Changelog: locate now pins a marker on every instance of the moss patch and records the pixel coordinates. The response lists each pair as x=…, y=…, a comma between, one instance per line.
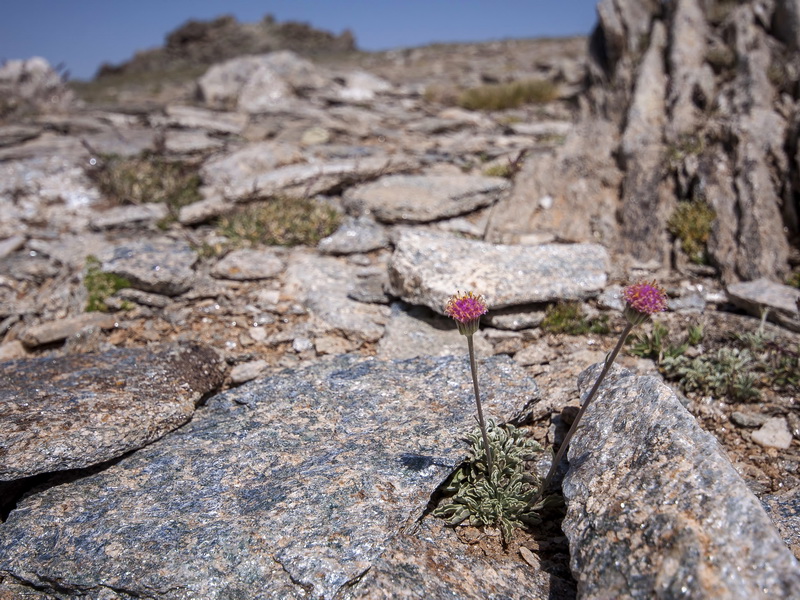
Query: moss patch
x=691, y=223
x=281, y=221
x=100, y=285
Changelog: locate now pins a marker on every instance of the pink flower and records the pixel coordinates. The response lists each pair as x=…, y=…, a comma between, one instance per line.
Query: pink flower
x=466, y=309
x=642, y=300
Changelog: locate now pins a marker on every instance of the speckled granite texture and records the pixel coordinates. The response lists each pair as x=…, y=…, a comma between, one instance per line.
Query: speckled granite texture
x=655, y=508
x=85, y=409
x=288, y=487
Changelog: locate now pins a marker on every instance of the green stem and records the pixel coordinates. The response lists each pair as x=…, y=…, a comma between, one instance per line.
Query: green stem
x=474, y=368
x=557, y=460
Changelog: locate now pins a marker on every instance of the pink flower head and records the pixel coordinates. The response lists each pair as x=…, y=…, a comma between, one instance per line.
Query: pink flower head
x=466, y=309
x=642, y=300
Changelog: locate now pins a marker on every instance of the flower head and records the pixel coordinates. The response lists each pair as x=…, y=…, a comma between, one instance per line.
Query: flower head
x=642, y=300
x=466, y=309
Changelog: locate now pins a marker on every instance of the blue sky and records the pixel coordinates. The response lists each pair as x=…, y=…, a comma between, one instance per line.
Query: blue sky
x=82, y=34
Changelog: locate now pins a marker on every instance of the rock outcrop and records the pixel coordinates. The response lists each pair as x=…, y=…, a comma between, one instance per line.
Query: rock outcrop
x=689, y=102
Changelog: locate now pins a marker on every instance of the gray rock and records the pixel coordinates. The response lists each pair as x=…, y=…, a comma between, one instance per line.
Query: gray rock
x=360, y=86
x=244, y=165
x=191, y=142
x=129, y=216
x=433, y=563
x=248, y=264
x=428, y=268
x=289, y=487
x=415, y=331
x=423, y=198
x=746, y=419
x=255, y=84
x=80, y=410
x=321, y=283
x=774, y=433
x=784, y=509
x=11, y=135
x=11, y=245
x=56, y=331
x=158, y=265
x=371, y=288
x=655, y=508
x=543, y=128
x=204, y=210
x=516, y=317
x=554, y=185
x=247, y=371
x=128, y=142
x=315, y=178
x=355, y=235
x=194, y=117
x=762, y=294
x=143, y=298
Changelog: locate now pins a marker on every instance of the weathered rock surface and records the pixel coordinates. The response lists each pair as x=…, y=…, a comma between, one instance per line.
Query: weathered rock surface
x=55, y=331
x=433, y=563
x=355, y=235
x=423, y=198
x=426, y=268
x=254, y=84
x=655, y=508
x=290, y=486
x=80, y=410
x=161, y=266
x=321, y=283
x=249, y=264
x=780, y=301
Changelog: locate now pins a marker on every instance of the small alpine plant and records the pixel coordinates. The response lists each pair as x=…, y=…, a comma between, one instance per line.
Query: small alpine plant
x=494, y=488
x=642, y=300
x=467, y=310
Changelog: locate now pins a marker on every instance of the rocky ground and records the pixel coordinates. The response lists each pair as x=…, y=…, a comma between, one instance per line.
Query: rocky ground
x=399, y=192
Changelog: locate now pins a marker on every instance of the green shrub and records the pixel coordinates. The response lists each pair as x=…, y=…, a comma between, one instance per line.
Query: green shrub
x=691, y=223
x=508, y=95
x=100, y=285
x=281, y=221
x=147, y=178
x=568, y=317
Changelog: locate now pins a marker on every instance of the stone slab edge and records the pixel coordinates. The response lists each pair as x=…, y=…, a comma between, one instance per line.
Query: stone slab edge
x=656, y=509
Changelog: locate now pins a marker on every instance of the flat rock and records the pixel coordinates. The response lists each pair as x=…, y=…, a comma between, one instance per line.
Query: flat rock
x=245, y=164
x=249, y=264
x=129, y=216
x=516, y=317
x=763, y=294
x=75, y=411
x=56, y=331
x=126, y=142
x=321, y=283
x=355, y=235
x=194, y=117
x=774, y=433
x=423, y=198
x=415, y=331
x=159, y=265
x=655, y=509
x=11, y=135
x=11, y=244
x=247, y=371
x=288, y=487
x=428, y=268
x=309, y=179
x=191, y=142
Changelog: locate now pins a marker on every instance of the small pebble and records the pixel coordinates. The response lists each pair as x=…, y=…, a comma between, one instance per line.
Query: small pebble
x=774, y=433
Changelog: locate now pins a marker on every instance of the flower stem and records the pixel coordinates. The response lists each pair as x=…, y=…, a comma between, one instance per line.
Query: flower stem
x=474, y=368
x=606, y=367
